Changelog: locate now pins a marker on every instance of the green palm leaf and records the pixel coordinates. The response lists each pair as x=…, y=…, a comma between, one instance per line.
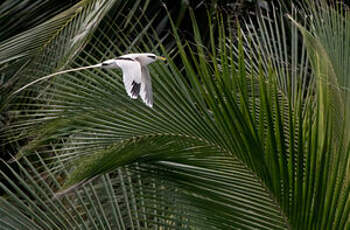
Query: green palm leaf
x=235, y=139
x=52, y=43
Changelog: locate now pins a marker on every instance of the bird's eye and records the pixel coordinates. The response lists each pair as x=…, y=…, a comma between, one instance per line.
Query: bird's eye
x=151, y=56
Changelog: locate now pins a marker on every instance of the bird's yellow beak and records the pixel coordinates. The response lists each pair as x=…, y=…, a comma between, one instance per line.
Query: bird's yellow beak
x=161, y=58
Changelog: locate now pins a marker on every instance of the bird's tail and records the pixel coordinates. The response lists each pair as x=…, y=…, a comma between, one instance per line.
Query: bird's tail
x=55, y=74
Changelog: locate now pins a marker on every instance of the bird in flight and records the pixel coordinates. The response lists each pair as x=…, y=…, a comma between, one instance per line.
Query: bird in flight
x=136, y=77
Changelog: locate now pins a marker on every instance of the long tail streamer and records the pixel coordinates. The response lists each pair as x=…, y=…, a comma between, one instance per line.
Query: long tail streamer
x=55, y=74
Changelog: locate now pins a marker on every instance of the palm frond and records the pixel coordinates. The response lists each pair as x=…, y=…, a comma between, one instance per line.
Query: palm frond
x=17, y=18
x=230, y=129
x=48, y=46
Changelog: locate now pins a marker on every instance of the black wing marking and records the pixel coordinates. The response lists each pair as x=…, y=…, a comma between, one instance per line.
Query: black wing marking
x=125, y=59
x=135, y=90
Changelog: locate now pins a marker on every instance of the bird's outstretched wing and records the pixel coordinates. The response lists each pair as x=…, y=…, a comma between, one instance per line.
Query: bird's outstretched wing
x=146, y=87
x=131, y=76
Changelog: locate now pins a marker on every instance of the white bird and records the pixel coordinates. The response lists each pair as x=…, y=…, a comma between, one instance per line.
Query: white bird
x=136, y=77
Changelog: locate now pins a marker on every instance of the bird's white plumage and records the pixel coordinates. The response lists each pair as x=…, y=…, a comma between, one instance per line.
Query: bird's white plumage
x=146, y=87
x=131, y=73
x=143, y=58
x=136, y=77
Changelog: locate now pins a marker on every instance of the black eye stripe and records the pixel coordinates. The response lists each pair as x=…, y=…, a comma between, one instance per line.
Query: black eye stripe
x=151, y=56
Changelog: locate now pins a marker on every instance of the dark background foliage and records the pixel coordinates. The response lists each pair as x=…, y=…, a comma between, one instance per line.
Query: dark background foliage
x=260, y=129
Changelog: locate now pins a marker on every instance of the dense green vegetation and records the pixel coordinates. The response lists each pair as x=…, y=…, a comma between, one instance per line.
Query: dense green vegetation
x=249, y=128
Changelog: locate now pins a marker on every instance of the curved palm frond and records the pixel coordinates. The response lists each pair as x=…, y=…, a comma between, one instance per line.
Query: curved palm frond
x=44, y=49
x=17, y=18
x=225, y=132
x=46, y=34
x=48, y=46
